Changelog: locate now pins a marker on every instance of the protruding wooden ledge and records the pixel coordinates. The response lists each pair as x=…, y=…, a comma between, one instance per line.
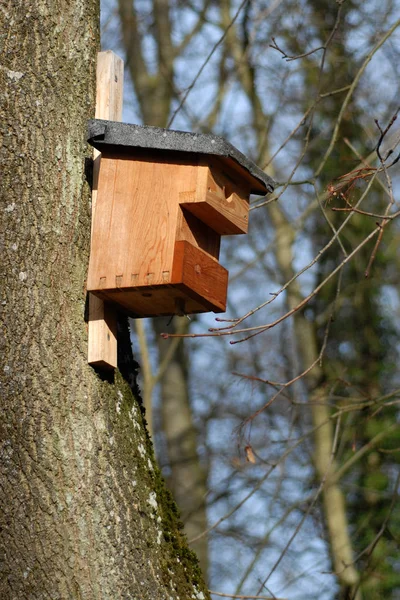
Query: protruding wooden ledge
x=197, y=283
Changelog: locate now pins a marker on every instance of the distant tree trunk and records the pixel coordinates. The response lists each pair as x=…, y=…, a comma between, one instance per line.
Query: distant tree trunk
x=334, y=504
x=83, y=510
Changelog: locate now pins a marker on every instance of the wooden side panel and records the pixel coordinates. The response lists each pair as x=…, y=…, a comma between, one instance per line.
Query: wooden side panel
x=194, y=231
x=101, y=220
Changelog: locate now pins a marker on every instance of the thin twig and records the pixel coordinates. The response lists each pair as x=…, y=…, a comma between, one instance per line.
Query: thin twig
x=287, y=57
x=366, y=213
x=350, y=93
x=286, y=385
x=262, y=328
x=311, y=506
x=282, y=458
x=375, y=248
x=335, y=477
x=205, y=63
x=372, y=545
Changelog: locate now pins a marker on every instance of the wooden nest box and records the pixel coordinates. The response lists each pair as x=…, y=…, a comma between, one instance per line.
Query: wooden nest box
x=164, y=198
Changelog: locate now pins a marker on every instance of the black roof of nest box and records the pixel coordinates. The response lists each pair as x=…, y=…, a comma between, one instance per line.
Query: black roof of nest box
x=123, y=136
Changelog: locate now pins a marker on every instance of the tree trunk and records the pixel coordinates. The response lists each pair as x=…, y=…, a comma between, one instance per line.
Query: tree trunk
x=83, y=510
x=187, y=479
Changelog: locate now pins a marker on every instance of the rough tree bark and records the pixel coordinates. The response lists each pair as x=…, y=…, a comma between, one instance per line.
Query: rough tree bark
x=188, y=479
x=83, y=510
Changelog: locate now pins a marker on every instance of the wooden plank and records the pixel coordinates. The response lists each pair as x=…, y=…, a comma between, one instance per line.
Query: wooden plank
x=156, y=301
x=102, y=350
x=102, y=334
x=203, y=277
x=197, y=283
x=220, y=200
x=227, y=216
x=109, y=102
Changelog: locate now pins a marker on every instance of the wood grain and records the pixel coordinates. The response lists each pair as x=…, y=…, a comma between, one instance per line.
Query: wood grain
x=102, y=335
x=193, y=230
x=197, y=283
x=157, y=229
x=221, y=199
x=136, y=221
x=202, y=276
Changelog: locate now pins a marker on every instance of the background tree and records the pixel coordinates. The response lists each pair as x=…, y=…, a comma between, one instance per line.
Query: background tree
x=362, y=337
x=83, y=510
x=305, y=109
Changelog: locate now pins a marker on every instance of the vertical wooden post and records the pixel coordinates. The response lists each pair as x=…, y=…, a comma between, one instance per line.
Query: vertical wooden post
x=102, y=334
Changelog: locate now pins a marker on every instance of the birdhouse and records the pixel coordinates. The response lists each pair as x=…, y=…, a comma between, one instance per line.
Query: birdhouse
x=164, y=199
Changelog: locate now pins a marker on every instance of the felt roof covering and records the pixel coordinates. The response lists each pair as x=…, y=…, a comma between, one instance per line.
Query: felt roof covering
x=123, y=138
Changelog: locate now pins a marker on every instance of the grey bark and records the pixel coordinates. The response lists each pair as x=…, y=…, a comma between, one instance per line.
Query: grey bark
x=83, y=511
